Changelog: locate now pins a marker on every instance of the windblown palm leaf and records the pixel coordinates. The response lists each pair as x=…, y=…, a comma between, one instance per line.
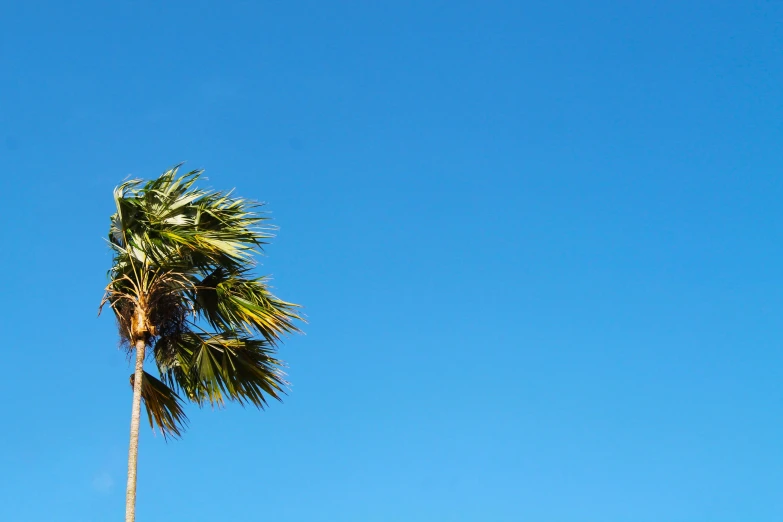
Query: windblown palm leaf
x=181, y=285
x=164, y=407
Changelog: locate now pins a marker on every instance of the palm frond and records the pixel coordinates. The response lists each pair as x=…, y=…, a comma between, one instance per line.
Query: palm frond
x=163, y=405
x=218, y=367
x=234, y=301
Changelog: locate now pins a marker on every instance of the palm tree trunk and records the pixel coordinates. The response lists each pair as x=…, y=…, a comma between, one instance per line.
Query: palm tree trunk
x=133, y=450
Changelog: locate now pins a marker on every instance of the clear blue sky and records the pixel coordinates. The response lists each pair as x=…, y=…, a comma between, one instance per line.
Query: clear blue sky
x=538, y=243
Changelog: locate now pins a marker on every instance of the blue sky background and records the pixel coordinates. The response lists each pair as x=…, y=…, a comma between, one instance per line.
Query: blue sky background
x=538, y=243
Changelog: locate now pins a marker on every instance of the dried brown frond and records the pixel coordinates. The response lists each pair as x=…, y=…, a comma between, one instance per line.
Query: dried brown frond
x=168, y=320
x=123, y=314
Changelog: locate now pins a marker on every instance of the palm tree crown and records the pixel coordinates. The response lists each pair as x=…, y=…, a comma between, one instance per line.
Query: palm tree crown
x=181, y=286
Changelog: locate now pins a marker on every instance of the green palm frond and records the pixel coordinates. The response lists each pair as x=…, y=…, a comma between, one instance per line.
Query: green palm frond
x=163, y=405
x=234, y=301
x=184, y=256
x=215, y=368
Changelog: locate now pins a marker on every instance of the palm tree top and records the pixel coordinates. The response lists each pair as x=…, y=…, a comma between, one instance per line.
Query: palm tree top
x=181, y=282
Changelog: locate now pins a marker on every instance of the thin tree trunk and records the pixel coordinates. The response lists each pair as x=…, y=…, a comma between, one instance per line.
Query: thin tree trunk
x=133, y=450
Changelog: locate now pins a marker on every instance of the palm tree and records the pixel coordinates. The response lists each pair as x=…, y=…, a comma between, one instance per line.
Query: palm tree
x=181, y=289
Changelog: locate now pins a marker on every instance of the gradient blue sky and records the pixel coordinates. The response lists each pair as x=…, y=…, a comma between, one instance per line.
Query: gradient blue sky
x=539, y=246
